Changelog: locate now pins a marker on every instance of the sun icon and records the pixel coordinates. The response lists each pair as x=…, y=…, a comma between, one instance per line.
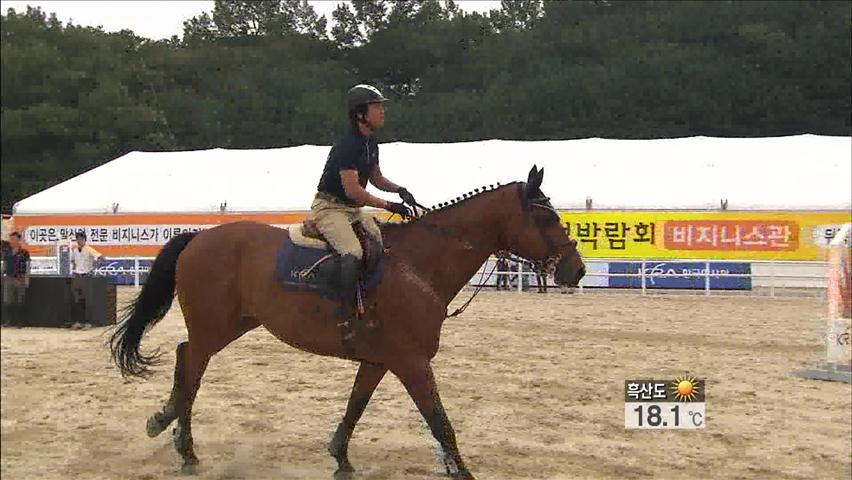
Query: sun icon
x=684, y=388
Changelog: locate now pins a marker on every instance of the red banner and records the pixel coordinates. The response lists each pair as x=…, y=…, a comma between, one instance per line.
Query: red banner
x=770, y=236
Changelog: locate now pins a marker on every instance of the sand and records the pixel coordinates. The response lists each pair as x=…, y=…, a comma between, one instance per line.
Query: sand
x=533, y=384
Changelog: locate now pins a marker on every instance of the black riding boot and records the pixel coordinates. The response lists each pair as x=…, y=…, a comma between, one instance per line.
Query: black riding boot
x=350, y=267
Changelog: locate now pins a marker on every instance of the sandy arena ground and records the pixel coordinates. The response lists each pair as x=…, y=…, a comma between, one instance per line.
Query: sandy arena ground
x=533, y=384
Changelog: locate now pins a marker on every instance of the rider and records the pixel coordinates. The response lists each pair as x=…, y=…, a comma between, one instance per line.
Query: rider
x=353, y=160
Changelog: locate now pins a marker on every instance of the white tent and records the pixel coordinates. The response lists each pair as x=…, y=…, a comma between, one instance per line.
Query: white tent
x=784, y=173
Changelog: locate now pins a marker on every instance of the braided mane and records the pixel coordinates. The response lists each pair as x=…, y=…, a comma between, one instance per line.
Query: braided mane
x=442, y=206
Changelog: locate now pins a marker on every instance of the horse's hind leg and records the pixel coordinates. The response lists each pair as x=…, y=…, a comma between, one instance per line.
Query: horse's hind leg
x=189, y=380
x=368, y=377
x=158, y=422
x=194, y=357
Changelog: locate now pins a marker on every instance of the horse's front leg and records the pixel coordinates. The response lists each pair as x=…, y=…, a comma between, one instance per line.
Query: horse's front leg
x=420, y=384
x=368, y=378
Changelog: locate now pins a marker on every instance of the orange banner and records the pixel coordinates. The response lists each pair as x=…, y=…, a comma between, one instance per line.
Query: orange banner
x=731, y=235
x=129, y=235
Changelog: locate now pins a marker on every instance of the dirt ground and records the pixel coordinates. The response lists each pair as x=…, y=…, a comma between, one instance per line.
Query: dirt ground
x=533, y=383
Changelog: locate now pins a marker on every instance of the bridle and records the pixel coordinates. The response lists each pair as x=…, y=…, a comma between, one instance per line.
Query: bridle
x=550, y=261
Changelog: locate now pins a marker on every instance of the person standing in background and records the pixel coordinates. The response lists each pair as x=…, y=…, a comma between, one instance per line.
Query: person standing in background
x=16, y=279
x=502, y=270
x=6, y=249
x=541, y=276
x=83, y=261
x=517, y=266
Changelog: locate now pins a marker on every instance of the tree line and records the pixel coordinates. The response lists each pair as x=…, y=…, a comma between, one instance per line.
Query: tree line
x=273, y=73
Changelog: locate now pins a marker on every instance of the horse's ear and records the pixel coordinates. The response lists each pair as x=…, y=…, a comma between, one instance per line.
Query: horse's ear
x=530, y=178
x=532, y=174
x=533, y=182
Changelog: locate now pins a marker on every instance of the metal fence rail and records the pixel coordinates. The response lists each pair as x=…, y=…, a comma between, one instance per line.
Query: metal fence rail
x=774, y=275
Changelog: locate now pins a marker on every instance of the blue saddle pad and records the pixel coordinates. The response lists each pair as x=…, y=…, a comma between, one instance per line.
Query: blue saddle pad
x=300, y=268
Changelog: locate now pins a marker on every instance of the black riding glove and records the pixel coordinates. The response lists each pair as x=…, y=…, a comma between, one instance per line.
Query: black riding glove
x=399, y=209
x=406, y=196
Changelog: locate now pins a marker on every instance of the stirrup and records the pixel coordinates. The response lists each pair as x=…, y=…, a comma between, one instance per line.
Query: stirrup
x=346, y=332
x=347, y=335
x=359, y=299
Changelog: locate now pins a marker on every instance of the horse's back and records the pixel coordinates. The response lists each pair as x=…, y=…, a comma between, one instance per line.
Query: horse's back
x=242, y=227
x=226, y=261
x=217, y=280
x=239, y=234
x=224, y=248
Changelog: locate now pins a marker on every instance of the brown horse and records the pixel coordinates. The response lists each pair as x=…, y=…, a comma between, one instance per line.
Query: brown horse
x=429, y=260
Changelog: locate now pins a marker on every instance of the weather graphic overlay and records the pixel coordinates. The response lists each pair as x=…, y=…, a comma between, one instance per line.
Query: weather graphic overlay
x=685, y=388
x=665, y=404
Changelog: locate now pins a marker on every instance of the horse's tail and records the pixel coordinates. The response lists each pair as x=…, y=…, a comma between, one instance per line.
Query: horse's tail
x=148, y=308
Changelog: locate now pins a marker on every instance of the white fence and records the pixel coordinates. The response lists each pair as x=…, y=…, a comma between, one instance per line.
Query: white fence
x=771, y=278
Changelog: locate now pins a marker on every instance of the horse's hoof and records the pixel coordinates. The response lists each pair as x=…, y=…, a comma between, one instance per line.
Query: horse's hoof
x=463, y=476
x=153, y=427
x=189, y=468
x=343, y=474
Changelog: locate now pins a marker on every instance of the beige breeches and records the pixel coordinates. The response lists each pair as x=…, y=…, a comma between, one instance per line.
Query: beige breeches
x=335, y=221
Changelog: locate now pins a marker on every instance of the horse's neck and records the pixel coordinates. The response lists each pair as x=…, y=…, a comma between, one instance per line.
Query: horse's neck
x=447, y=248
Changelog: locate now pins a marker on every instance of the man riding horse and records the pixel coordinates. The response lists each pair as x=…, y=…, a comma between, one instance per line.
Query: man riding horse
x=354, y=160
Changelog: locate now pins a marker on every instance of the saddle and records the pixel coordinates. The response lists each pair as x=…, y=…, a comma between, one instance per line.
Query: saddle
x=307, y=234
x=311, y=230
x=307, y=262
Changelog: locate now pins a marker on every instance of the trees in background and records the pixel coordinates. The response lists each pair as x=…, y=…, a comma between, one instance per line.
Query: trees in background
x=255, y=74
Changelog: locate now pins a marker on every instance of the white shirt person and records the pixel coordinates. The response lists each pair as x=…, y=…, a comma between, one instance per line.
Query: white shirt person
x=83, y=257
x=83, y=261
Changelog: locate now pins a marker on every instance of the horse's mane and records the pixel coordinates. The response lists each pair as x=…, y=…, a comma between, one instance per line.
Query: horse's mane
x=449, y=205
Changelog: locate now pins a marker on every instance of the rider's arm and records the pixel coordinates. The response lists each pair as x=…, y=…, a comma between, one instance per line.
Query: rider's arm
x=382, y=183
x=357, y=193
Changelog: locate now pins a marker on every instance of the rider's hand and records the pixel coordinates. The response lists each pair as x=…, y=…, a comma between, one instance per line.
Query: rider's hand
x=406, y=196
x=399, y=209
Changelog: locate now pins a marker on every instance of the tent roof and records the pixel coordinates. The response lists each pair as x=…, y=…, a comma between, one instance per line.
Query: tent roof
x=790, y=173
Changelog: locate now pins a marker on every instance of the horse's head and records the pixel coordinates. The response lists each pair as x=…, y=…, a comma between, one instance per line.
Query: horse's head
x=537, y=234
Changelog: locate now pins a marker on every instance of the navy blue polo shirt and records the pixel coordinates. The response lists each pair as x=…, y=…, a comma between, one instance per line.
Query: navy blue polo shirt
x=353, y=151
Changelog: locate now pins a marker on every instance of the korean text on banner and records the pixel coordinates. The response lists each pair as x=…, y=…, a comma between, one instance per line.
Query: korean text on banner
x=723, y=235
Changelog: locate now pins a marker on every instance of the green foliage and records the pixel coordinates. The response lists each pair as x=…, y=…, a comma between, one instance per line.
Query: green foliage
x=518, y=14
x=240, y=18
x=346, y=31
x=257, y=74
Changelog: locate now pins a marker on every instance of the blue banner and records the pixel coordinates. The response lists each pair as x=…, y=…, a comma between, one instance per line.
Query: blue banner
x=121, y=272
x=682, y=275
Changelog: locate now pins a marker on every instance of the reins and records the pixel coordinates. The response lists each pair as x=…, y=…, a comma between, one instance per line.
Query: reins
x=482, y=282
